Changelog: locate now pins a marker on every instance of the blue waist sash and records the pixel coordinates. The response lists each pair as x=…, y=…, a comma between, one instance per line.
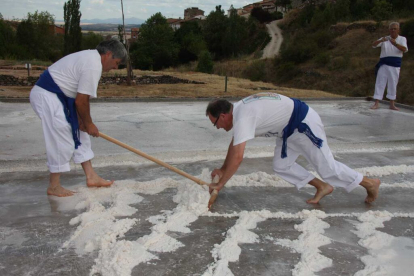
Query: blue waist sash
x=69, y=108
x=300, y=110
x=390, y=61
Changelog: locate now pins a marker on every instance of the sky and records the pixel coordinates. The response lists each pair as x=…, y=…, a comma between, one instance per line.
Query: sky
x=102, y=9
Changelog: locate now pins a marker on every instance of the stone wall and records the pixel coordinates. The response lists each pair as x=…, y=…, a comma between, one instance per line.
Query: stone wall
x=7, y=80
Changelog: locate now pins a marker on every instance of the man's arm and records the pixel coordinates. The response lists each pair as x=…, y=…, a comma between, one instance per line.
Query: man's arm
x=398, y=46
x=376, y=42
x=231, y=164
x=83, y=109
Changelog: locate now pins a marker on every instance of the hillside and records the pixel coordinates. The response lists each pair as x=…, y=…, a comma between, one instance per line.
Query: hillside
x=338, y=59
x=347, y=65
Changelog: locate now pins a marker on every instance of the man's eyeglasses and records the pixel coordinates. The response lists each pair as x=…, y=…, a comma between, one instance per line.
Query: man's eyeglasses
x=218, y=117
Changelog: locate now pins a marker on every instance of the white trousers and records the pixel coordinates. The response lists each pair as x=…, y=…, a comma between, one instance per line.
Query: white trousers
x=60, y=147
x=331, y=171
x=387, y=75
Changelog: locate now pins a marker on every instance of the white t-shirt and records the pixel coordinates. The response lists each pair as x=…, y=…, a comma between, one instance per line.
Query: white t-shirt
x=78, y=72
x=264, y=114
x=389, y=50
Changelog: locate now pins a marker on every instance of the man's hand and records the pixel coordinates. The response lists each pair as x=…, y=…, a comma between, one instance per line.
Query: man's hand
x=215, y=186
x=92, y=130
x=217, y=172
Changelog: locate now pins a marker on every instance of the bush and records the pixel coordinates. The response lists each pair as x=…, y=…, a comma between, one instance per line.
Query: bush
x=382, y=10
x=339, y=63
x=285, y=71
x=322, y=59
x=205, y=62
x=256, y=71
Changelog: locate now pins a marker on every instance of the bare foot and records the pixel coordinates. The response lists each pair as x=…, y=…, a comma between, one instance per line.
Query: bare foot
x=393, y=107
x=98, y=182
x=320, y=193
x=59, y=191
x=372, y=189
x=375, y=106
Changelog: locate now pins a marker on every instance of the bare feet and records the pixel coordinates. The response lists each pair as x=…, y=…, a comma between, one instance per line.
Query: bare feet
x=322, y=189
x=320, y=193
x=375, y=106
x=393, y=107
x=59, y=191
x=98, y=182
x=372, y=187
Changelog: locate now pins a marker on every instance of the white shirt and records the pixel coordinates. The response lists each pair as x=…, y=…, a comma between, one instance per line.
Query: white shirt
x=389, y=50
x=78, y=72
x=264, y=114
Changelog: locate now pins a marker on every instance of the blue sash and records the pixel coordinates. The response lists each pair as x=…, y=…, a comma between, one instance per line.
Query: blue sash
x=69, y=108
x=390, y=61
x=300, y=110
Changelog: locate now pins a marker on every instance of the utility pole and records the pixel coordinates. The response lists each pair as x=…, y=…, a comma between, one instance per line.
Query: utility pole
x=129, y=68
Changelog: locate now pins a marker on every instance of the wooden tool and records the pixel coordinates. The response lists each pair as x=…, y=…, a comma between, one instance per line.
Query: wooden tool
x=213, y=195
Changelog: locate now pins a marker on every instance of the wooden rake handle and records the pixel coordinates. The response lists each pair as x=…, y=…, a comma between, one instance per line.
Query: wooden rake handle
x=159, y=162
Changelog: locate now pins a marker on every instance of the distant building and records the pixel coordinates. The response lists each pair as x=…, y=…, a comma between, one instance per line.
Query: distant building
x=58, y=30
x=192, y=12
x=174, y=23
x=134, y=33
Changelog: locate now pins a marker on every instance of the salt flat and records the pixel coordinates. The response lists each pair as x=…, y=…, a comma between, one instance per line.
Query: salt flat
x=154, y=222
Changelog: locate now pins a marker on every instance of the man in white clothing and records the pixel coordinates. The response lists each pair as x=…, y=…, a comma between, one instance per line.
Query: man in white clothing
x=388, y=68
x=298, y=130
x=61, y=100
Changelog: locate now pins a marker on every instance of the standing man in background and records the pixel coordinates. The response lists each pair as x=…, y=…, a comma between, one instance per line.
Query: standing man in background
x=61, y=100
x=388, y=68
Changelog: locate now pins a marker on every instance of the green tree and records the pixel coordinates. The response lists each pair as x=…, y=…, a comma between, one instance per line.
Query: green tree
x=190, y=40
x=7, y=40
x=121, y=33
x=214, y=31
x=283, y=3
x=90, y=40
x=36, y=34
x=342, y=9
x=205, y=63
x=235, y=35
x=73, y=31
x=382, y=10
x=155, y=48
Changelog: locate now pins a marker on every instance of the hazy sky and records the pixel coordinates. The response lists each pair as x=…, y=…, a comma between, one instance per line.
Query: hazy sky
x=102, y=9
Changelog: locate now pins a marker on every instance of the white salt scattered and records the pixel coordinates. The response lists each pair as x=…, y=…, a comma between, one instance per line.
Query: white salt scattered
x=388, y=255
x=307, y=244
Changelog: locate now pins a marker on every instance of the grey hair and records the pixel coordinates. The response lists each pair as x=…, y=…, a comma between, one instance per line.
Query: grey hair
x=218, y=106
x=394, y=23
x=115, y=47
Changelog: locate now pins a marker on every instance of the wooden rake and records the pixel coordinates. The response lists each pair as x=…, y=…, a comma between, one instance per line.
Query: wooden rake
x=213, y=195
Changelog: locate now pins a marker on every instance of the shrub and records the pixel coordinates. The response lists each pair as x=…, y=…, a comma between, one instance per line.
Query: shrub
x=256, y=71
x=322, y=59
x=205, y=62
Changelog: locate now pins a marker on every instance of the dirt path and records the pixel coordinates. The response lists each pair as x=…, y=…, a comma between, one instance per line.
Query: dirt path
x=272, y=49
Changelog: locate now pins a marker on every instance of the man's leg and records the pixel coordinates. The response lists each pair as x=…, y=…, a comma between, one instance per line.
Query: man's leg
x=393, y=76
x=83, y=155
x=375, y=105
x=289, y=170
x=92, y=179
x=55, y=188
x=322, y=189
x=57, y=135
x=332, y=171
x=372, y=187
x=380, y=83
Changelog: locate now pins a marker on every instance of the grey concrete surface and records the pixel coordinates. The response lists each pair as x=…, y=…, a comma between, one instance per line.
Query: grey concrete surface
x=33, y=227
